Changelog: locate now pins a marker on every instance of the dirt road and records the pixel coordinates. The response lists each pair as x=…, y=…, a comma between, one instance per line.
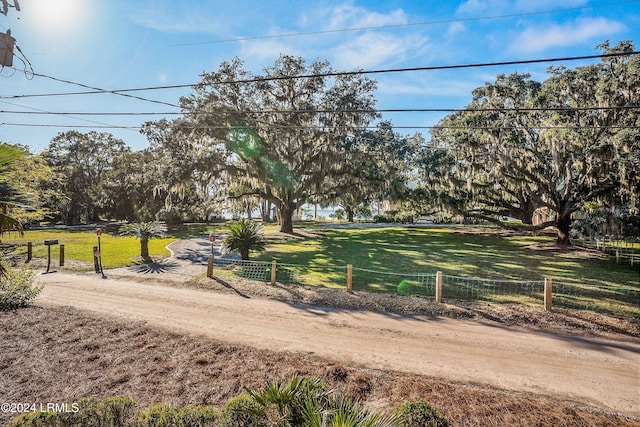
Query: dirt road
x=591, y=371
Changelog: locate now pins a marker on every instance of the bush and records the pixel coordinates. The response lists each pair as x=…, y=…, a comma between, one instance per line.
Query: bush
x=168, y=416
x=16, y=288
x=111, y=411
x=236, y=413
x=419, y=414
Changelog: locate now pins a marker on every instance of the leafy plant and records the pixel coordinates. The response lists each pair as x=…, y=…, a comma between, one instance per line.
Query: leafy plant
x=302, y=401
x=16, y=287
x=239, y=412
x=144, y=231
x=167, y=416
x=419, y=413
x=245, y=236
x=89, y=412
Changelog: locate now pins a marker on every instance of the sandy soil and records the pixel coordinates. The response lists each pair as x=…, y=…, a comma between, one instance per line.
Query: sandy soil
x=590, y=370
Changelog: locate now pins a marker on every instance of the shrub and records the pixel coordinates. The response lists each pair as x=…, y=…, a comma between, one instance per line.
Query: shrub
x=111, y=411
x=245, y=236
x=236, y=413
x=16, y=288
x=419, y=414
x=167, y=416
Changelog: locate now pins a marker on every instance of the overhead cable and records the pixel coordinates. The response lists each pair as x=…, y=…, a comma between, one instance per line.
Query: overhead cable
x=333, y=74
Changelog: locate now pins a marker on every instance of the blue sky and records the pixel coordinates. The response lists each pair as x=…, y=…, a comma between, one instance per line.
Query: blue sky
x=118, y=44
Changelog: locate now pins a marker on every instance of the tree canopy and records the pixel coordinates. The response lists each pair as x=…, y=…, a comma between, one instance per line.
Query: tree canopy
x=522, y=145
x=283, y=135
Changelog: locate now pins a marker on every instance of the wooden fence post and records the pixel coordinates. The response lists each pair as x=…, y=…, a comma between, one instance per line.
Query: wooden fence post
x=29, y=251
x=210, y=266
x=349, y=278
x=61, y=256
x=439, y=286
x=273, y=271
x=548, y=284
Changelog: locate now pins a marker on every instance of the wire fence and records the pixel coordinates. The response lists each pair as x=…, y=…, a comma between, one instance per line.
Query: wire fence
x=471, y=289
x=623, y=250
x=594, y=297
x=614, y=299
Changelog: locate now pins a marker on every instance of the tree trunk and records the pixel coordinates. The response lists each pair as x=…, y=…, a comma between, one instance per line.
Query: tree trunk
x=349, y=210
x=563, y=224
x=144, y=248
x=286, y=218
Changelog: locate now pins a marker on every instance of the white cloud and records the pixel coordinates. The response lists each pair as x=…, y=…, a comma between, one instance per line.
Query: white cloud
x=537, y=39
x=505, y=7
x=372, y=49
x=265, y=51
x=455, y=28
x=348, y=16
x=430, y=87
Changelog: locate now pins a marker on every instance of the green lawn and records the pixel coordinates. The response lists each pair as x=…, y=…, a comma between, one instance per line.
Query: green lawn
x=78, y=246
x=427, y=250
x=402, y=260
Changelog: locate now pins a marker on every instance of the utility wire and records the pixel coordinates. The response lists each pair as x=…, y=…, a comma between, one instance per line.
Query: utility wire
x=333, y=127
x=38, y=111
x=414, y=24
x=331, y=74
x=391, y=110
x=95, y=90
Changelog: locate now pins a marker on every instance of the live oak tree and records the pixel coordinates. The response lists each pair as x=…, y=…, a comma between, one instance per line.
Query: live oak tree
x=560, y=144
x=82, y=160
x=379, y=161
x=282, y=130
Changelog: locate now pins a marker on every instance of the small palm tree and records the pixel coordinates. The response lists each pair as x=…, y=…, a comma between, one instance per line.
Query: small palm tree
x=144, y=231
x=245, y=236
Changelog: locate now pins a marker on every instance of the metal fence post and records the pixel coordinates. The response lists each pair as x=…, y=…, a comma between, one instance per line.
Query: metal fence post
x=439, y=286
x=548, y=284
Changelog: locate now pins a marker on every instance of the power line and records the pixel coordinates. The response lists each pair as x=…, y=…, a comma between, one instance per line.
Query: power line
x=320, y=111
x=336, y=74
x=414, y=24
x=38, y=111
x=94, y=89
x=333, y=127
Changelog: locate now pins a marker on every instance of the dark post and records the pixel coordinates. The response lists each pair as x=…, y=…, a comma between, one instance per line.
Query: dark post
x=48, y=257
x=29, y=251
x=61, y=255
x=49, y=243
x=95, y=259
x=99, y=233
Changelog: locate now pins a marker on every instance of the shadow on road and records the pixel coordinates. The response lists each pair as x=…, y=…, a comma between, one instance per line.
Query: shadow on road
x=152, y=267
x=229, y=286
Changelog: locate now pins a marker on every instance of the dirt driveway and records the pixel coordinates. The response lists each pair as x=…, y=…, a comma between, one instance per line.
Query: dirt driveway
x=591, y=371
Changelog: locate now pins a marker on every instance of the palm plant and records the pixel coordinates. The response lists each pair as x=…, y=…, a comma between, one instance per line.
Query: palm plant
x=306, y=401
x=144, y=231
x=245, y=236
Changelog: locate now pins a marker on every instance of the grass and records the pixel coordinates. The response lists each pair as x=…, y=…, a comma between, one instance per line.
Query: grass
x=452, y=251
x=397, y=259
x=116, y=251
